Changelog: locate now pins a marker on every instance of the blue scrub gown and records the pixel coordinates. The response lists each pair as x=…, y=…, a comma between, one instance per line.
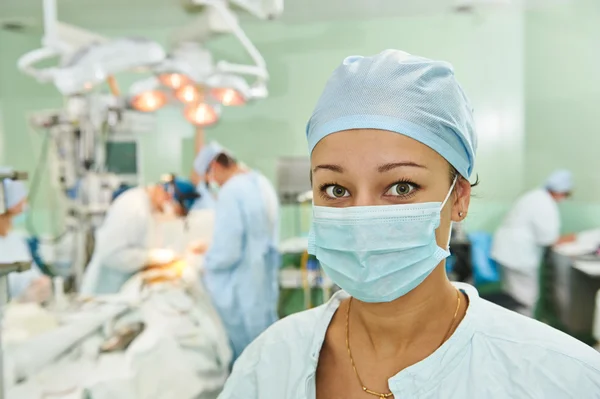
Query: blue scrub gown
x=241, y=266
x=206, y=200
x=13, y=248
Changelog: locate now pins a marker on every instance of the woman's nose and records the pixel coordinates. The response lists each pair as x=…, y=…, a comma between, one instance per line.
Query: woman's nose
x=366, y=198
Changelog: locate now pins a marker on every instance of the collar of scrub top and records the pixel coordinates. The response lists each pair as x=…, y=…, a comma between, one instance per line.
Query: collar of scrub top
x=420, y=377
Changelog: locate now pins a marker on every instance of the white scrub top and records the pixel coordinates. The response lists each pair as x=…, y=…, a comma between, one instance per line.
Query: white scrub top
x=494, y=353
x=532, y=224
x=122, y=243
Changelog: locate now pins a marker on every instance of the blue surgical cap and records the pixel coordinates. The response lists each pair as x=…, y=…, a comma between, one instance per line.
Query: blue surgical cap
x=561, y=181
x=14, y=190
x=120, y=190
x=185, y=192
x=402, y=93
x=206, y=155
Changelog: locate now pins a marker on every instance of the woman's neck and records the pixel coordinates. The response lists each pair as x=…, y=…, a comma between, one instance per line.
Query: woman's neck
x=423, y=315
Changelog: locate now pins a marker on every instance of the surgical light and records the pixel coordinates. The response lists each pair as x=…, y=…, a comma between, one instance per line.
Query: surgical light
x=173, y=80
x=228, y=96
x=188, y=94
x=149, y=101
x=161, y=256
x=229, y=90
x=201, y=114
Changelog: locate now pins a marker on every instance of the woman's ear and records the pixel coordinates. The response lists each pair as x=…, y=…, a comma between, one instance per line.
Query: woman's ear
x=462, y=199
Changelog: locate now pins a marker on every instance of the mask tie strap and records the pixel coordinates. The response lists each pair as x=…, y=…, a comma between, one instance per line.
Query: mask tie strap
x=449, y=193
x=442, y=207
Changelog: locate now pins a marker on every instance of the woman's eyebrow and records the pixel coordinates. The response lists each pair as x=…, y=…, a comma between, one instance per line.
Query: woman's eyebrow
x=331, y=167
x=389, y=166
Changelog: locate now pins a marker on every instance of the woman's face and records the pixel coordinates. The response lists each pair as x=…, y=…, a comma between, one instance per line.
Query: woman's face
x=365, y=167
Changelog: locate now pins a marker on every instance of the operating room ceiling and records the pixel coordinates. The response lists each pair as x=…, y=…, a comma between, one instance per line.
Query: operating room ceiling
x=140, y=15
x=149, y=14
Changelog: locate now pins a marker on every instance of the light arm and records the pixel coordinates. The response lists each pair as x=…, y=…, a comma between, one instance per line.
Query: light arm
x=198, y=145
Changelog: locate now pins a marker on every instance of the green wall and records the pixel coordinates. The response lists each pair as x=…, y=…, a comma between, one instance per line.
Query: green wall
x=504, y=59
x=562, y=102
x=301, y=57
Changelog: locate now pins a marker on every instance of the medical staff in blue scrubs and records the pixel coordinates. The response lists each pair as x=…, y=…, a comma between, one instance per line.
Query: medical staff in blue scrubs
x=241, y=266
x=206, y=199
x=32, y=284
x=392, y=146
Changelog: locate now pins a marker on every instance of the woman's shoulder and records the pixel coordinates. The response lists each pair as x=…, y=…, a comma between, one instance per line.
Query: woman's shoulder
x=522, y=336
x=299, y=328
x=279, y=354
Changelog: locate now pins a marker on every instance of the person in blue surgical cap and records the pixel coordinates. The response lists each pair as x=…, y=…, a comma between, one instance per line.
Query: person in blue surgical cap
x=123, y=242
x=242, y=264
x=32, y=284
x=531, y=226
x=392, y=146
x=183, y=192
x=207, y=194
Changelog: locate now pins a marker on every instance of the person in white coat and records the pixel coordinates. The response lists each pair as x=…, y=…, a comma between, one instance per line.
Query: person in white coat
x=123, y=242
x=532, y=225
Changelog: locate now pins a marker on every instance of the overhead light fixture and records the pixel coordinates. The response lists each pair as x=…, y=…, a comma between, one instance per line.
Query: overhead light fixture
x=92, y=64
x=202, y=114
x=149, y=101
x=188, y=94
x=228, y=96
x=146, y=96
x=229, y=90
x=173, y=80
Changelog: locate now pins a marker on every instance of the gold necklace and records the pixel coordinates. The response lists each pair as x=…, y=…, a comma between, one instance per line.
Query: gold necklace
x=389, y=394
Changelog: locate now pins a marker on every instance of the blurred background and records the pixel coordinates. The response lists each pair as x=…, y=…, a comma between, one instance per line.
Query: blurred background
x=109, y=116
x=529, y=70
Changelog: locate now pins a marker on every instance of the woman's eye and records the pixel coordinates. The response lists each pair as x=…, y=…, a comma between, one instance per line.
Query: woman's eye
x=336, y=192
x=401, y=189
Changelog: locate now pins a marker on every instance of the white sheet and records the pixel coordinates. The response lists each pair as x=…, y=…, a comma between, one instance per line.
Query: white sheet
x=178, y=234
x=183, y=353
x=586, y=242
x=590, y=268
